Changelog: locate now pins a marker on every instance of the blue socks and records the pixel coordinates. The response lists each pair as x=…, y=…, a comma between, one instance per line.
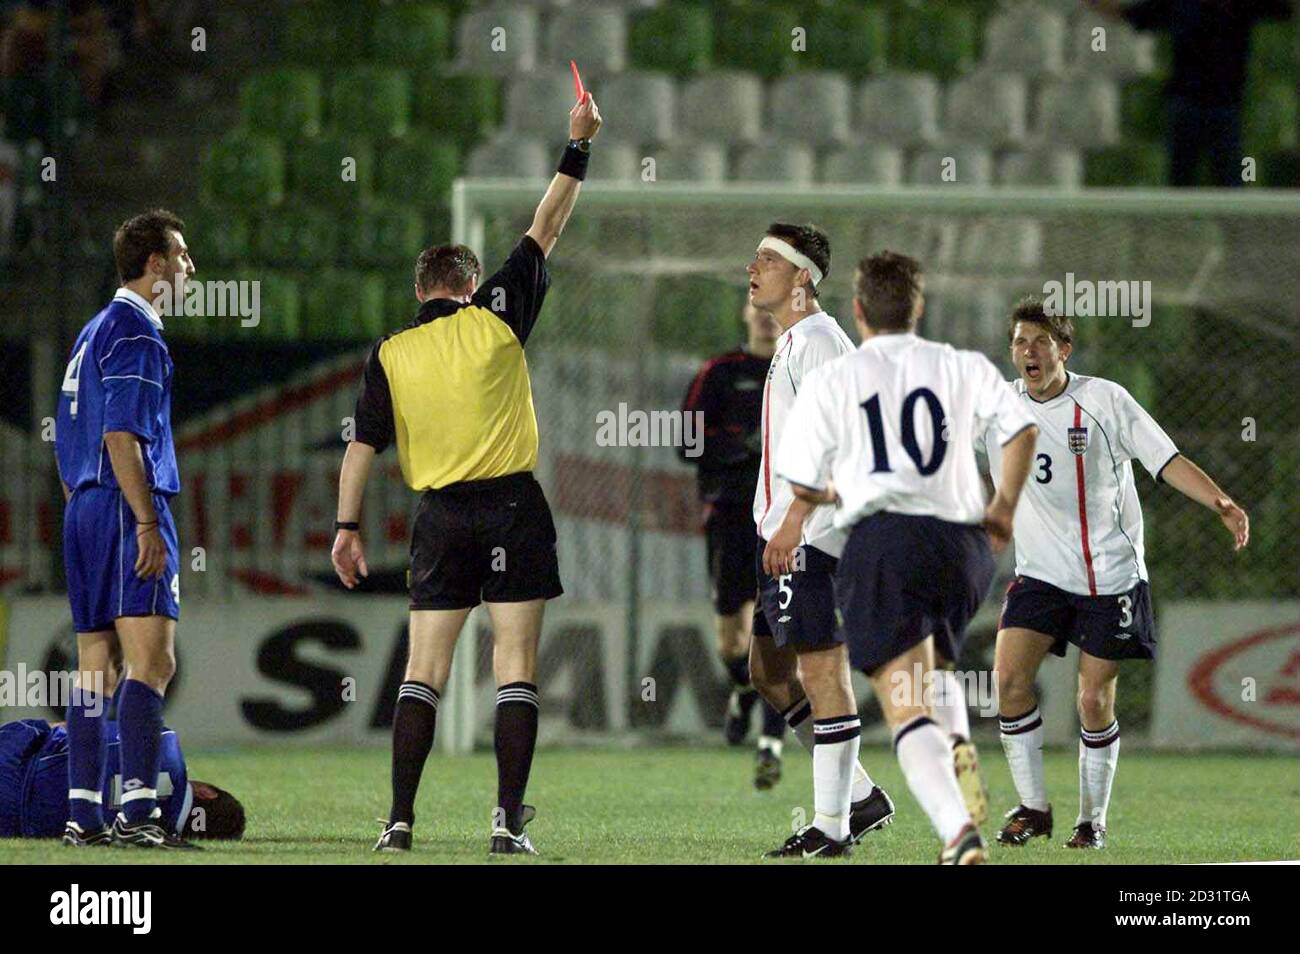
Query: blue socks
x=86, y=757
x=139, y=726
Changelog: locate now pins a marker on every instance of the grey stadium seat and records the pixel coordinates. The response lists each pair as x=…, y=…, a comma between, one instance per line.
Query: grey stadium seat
x=811, y=107
x=987, y=108
x=787, y=162
x=594, y=36
x=723, y=106
x=865, y=164
x=1128, y=54
x=516, y=26
x=642, y=106
x=682, y=161
x=613, y=161
x=510, y=156
x=1057, y=168
x=974, y=165
x=537, y=103
x=899, y=109
x=1079, y=111
x=1026, y=39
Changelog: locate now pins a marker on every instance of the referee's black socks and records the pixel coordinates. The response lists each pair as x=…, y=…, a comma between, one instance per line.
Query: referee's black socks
x=515, y=739
x=417, y=708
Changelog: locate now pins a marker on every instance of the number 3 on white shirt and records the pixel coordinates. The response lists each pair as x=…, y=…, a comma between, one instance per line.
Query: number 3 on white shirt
x=72, y=376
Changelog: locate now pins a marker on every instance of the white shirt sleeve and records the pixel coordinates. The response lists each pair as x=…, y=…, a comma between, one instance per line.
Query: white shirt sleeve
x=999, y=414
x=808, y=445
x=818, y=348
x=1139, y=436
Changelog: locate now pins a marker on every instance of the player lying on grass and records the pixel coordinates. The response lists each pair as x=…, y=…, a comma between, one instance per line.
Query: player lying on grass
x=797, y=656
x=34, y=786
x=451, y=391
x=887, y=434
x=728, y=393
x=1081, y=575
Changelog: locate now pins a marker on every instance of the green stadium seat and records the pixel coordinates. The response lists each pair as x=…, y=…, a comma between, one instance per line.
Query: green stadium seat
x=1143, y=114
x=280, y=307
x=400, y=303
x=383, y=235
x=1273, y=51
x=847, y=39
x=1128, y=164
x=298, y=237
x=324, y=34
x=677, y=38
x=244, y=170
x=1270, y=120
x=219, y=236
x=418, y=36
x=317, y=170
x=757, y=44
x=417, y=171
x=463, y=108
x=942, y=39
x=344, y=305
x=371, y=101
x=281, y=102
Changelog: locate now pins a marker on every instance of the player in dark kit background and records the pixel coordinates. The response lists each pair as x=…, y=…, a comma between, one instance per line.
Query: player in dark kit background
x=728, y=392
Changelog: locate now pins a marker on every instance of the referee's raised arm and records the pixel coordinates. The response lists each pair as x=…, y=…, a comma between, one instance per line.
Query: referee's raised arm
x=557, y=205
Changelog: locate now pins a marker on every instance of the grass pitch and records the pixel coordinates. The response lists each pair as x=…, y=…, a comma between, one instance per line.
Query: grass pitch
x=698, y=806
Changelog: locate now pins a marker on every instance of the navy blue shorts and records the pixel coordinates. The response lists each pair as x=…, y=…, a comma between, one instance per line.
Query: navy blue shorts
x=902, y=578
x=798, y=609
x=99, y=553
x=1116, y=627
x=729, y=535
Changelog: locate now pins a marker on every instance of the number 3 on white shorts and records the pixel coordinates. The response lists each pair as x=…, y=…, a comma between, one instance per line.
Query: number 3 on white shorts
x=1125, y=611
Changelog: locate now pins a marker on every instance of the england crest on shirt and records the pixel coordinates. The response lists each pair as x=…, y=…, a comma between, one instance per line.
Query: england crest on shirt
x=1077, y=440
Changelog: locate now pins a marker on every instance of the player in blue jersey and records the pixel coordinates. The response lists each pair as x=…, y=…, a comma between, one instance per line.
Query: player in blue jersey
x=34, y=785
x=117, y=462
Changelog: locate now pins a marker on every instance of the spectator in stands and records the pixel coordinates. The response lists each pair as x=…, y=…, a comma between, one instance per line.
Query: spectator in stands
x=10, y=159
x=1211, y=44
x=94, y=49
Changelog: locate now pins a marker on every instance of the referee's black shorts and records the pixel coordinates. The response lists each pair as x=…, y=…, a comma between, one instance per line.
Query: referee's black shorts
x=489, y=541
x=729, y=535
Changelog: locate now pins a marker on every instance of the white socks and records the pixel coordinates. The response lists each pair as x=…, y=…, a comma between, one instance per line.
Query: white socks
x=1022, y=741
x=926, y=758
x=1098, y=755
x=799, y=718
x=835, y=752
x=949, y=708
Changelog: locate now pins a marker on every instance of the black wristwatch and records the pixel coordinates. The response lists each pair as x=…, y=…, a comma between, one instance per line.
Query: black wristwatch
x=582, y=145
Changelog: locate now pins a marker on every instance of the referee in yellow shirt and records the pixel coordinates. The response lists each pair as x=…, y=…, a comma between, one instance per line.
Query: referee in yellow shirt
x=451, y=391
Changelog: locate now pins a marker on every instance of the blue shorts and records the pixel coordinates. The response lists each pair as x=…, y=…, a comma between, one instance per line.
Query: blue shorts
x=99, y=553
x=903, y=578
x=798, y=609
x=1115, y=627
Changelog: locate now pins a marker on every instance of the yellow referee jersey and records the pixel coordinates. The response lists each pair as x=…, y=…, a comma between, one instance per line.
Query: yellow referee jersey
x=451, y=390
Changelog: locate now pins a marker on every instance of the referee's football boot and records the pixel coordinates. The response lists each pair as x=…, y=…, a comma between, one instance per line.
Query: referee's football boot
x=874, y=811
x=767, y=769
x=967, y=848
x=148, y=834
x=506, y=842
x=396, y=837
x=74, y=836
x=811, y=842
x=739, y=707
x=1087, y=835
x=973, y=790
x=1025, y=823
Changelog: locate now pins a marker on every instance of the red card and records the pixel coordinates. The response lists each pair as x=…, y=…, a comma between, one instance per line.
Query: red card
x=577, y=82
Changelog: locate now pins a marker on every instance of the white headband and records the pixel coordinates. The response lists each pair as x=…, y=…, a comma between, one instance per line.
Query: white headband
x=793, y=256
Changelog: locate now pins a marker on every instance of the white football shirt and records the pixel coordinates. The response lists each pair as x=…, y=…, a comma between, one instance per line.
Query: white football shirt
x=1079, y=522
x=894, y=426
x=806, y=345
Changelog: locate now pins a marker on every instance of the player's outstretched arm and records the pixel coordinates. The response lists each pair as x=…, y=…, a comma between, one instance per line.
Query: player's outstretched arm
x=1189, y=480
x=557, y=205
x=1017, y=455
x=348, y=555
